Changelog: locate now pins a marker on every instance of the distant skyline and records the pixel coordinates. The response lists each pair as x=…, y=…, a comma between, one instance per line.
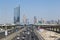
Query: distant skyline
x=46, y=9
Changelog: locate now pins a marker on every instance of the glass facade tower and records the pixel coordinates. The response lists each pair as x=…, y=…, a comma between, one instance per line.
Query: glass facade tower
x=17, y=15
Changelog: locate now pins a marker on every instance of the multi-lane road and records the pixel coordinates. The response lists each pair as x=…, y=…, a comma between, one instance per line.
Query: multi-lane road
x=2, y=34
x=27, y=34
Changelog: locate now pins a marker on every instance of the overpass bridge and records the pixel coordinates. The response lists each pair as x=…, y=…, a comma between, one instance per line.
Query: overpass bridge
x=51, y=27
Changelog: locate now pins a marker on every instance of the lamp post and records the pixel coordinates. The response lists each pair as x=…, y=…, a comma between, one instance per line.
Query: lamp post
x=6, y=31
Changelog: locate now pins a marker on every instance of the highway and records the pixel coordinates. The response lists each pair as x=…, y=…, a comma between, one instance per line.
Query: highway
x=27, y=34
x=2, y=34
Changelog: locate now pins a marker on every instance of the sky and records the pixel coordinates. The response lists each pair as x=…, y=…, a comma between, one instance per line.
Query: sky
x=46, y=9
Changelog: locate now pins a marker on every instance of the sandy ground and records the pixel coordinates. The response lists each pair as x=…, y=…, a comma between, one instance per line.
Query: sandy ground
x=49, y=35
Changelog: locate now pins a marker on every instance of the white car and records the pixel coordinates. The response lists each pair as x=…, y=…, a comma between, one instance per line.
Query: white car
x=18, y=37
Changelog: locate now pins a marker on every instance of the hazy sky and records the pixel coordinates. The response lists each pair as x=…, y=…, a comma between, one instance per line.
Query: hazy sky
x=47, y=9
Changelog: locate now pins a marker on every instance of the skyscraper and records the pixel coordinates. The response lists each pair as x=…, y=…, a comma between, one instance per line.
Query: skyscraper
x=24, y=19
x=17, y=15
x=35, y=20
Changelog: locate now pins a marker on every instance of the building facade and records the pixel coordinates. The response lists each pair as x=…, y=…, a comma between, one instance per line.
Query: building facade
x=35, y=20
x=17, y=15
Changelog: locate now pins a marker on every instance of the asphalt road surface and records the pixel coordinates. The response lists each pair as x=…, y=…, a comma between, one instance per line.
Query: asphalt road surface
x=26, y=35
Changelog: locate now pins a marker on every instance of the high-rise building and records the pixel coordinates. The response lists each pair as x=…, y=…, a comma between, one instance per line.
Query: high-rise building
x=35, y=20
x=17, y=15
x=58, y=21
x=24, y=19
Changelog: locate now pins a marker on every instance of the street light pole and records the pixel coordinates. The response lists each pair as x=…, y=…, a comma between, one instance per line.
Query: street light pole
x=6, y=31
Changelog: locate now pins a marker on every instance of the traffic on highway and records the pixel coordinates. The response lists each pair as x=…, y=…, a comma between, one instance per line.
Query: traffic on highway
x=9, y=32
x=26, y=35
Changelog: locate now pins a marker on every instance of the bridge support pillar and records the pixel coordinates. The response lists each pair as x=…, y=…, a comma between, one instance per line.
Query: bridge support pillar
x=53, y=29
x=59, y=30
x=56, y=29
